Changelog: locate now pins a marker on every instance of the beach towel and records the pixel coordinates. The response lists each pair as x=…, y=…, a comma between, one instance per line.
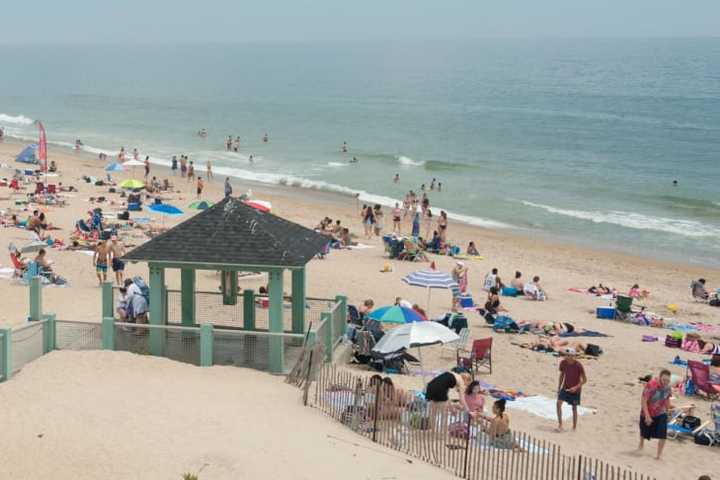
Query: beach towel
x=545, y=407
x=584, y=333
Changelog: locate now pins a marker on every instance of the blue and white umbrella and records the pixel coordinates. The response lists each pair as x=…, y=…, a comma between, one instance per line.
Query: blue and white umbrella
x=114, y=167
x=430, y=279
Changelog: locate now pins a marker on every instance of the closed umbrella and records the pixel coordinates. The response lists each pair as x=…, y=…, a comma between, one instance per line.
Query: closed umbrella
x=395, y=314
x=415, y=335
x=430, y=279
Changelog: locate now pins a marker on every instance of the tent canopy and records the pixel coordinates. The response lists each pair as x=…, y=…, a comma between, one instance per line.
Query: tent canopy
x=28, y=155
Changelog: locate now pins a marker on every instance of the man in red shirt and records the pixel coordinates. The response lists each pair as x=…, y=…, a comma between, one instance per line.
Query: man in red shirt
x=572, y=378
x=655, y=407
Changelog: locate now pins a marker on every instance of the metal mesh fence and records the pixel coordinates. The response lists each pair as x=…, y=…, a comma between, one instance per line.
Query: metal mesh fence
x=252, y=349
x=132, y=338
x=27, y=344
x=72, y=335
x=183, y=345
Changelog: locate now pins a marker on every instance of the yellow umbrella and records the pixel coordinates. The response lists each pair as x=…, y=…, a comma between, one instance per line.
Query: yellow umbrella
x=132, y=184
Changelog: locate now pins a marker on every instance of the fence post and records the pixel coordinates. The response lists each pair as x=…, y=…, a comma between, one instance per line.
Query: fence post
x=49, y=333
x=6, y=362
x=467, y=446
x=107, y=300
x=206, y=345
x=325, y=317
x=308, y=380
x=249, y=309
x=108, y=333
x=376, y=414
x=342, y=300
x=35, y=299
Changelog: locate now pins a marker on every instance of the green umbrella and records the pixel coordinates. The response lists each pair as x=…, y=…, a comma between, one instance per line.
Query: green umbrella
x=200, y=205
x=132, y=184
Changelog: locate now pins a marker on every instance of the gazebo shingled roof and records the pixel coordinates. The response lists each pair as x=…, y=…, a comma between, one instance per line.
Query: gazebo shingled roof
x=234, y=234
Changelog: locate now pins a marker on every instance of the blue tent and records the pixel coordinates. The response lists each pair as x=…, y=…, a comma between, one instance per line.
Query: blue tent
x=28, y=155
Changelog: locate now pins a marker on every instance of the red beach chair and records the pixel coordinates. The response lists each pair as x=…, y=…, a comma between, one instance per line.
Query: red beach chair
x=699, y=373
x=479, y=355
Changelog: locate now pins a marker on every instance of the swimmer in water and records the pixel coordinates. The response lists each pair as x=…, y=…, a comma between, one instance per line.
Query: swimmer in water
x=265, y=138
x=439, y=186
x=202, y=133
x=675, y=183
x=397, y=178
x=354, y=160
x=432, y=184
x=344, y=147
x=251, y=159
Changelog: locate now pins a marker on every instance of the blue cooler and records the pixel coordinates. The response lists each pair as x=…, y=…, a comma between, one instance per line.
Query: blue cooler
x=607, y=313
x=466, y=301
x=509, y=292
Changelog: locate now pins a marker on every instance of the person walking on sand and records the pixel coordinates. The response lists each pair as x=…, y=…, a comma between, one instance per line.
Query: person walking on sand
x=174, y=165
x=208, y=171
x=100, y=261
x=136, y=154
x=191, y=171
x=147, y=166
x=655, y=407
x=117, y=250
x=572, y=378
x=228, y=187
x=200, y=186
x=183, y=166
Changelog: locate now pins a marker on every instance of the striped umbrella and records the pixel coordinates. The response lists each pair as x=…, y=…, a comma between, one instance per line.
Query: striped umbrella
x=430, y=279
x=395, y=314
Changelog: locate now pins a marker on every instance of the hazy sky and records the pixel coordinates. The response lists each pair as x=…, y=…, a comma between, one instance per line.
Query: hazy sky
x=138, y=21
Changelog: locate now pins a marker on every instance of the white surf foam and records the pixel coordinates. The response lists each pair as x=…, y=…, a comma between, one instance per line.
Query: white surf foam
x=402, y=160
x=15, y=119
x=638, y=221
x=337, y=164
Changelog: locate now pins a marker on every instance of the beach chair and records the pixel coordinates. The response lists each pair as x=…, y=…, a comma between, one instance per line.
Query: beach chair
x=52, y=189
x=479, y=355
x=459, y=344
x=677, y=429
x=699, y=373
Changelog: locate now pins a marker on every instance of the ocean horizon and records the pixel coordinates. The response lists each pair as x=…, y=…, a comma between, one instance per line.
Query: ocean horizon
x=575, y=140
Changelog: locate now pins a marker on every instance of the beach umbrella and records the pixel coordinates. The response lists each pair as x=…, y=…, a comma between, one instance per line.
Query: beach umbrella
x=114, y=167
x=260, y=205
x=165, y=209
x=395, y=314
x=133, y=163
x=200, y=205
x=415, y=335
x=430, y=279
x=132, y=184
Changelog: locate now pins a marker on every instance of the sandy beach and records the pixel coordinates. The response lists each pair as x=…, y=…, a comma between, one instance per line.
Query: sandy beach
x=108, y=389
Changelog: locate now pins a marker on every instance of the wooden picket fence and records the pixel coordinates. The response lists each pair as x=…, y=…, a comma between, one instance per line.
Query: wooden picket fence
x=447, y=438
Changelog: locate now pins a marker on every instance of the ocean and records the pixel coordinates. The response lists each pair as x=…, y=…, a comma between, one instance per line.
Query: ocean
x=576, y=140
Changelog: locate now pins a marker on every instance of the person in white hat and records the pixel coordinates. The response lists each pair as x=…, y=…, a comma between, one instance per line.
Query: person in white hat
x=460, y=275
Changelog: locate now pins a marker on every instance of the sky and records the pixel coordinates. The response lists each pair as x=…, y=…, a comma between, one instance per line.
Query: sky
x=274, y=21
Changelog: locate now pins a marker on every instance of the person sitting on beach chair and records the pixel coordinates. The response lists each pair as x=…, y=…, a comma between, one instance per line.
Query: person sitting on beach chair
x=697, y=287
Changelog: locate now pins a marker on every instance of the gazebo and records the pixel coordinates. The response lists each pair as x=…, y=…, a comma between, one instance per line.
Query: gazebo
x=232, y=237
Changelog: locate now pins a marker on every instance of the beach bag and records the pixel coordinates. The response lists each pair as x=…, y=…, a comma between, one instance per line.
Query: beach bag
x=505, y=323
x=706, y=438
x=593, y=350
x=690, y=422
x=715, y=302
x=124, y=215
x=672, y=342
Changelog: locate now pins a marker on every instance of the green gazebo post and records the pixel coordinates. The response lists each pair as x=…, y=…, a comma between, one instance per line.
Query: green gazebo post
x=187, y=296
x=298, y=300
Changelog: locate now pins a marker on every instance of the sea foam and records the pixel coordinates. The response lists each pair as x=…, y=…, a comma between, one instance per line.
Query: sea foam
x=638, y=221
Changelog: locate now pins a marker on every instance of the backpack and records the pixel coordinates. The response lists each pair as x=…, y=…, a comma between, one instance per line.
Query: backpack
x=715, y=302
x=144, y=289
x=505, y=324
x=593, y=350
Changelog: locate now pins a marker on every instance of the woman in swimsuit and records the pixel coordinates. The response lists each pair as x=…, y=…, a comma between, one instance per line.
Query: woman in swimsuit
x=442, y=226
x=498, y=428
x=397, y=218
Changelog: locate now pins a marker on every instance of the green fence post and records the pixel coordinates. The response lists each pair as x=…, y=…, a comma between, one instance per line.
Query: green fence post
x=49, y=333
x=206, y=345
x=108, y=309
x=6, y=361
x=108, y=333
x=249, y=309
x=298, y=300
x=327, y=318
x=157, y=335
x=342, y=300
x=35, y=299
x=187, y=296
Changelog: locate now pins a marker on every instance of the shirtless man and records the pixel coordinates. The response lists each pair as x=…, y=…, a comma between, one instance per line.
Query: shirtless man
x=116, y=251
x=100, y=260
x=208, y=171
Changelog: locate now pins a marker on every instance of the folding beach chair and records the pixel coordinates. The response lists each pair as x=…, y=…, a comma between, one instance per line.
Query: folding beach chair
x=52, y=189
x=479, y=355
x=699, y=373
x=459, y=344
x=677, y=427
